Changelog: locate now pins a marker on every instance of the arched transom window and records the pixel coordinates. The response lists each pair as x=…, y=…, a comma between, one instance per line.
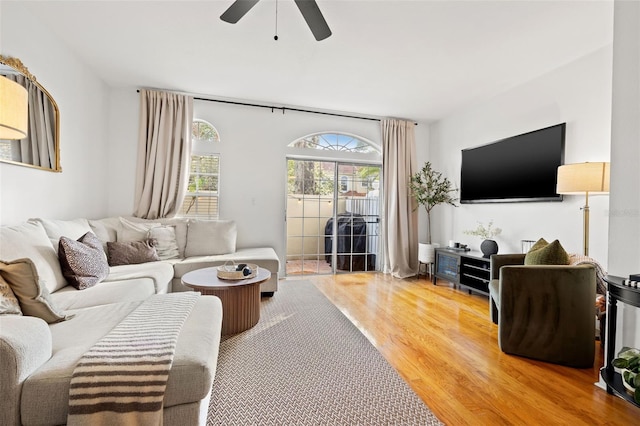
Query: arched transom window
x=204, y=131
x=335, y=142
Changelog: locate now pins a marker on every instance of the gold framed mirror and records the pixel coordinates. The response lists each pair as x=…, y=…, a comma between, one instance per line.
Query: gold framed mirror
x=41, y=148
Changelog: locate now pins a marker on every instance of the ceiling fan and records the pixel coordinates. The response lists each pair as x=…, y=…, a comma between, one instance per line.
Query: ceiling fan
x=309, y=9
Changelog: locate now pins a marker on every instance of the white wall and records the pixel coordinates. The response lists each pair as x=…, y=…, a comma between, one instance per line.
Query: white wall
x=579, y=94
x=253, y=149
x=79, y=191
x=624, y=230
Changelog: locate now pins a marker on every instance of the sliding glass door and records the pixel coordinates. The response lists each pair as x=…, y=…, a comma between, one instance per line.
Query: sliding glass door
x=333, y=217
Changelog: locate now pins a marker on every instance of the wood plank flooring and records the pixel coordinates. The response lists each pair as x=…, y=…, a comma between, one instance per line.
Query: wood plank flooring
x=443, y=343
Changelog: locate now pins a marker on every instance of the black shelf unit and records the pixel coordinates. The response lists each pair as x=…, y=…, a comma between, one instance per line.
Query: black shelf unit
x=463, y=268
x=617, y=291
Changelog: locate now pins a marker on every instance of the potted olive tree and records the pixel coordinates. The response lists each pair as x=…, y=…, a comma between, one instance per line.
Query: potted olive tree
x=429, y=188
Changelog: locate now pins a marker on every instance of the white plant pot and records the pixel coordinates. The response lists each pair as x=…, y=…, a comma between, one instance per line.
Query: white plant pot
x=427, y=253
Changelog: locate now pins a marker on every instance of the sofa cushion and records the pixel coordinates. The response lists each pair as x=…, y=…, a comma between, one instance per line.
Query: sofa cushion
x=125, y=283
x=34, y=298
x=134, y=231
x=543, y=253
x=83, y=261
x=159, y=272
x=105, y=229
x=29, y=240
x=166, y=243
x=9, y=304
x=131, y=252
x=45, y=393
x=104, y=293
x=55, y=228
x=210, y=237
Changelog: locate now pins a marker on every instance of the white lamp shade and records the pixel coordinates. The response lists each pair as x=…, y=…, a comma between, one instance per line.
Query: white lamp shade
x=14, y=109
x=583, y=178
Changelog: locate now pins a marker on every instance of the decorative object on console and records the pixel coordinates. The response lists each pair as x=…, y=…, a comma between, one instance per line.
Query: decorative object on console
x=14, y=106
x=584, y=178
x=488, y=246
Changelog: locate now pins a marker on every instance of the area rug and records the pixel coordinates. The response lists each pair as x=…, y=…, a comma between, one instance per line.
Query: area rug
x=305, y=363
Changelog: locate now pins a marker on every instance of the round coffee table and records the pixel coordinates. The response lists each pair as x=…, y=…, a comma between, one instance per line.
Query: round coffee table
x=240, y=298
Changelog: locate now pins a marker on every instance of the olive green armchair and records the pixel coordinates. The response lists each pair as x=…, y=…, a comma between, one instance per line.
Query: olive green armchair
x=544, y=312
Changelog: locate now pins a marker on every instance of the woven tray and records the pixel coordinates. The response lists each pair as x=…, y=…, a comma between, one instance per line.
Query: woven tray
x=229, y=271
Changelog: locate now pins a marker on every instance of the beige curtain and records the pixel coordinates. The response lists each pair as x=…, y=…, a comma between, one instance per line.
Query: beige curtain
x=399, y=229
x=164, y=150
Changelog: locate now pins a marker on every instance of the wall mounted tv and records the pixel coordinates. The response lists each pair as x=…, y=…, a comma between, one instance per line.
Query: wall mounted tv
x=516, y=169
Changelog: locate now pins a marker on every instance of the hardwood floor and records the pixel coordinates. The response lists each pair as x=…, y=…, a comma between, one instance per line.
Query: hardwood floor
x=443, y=343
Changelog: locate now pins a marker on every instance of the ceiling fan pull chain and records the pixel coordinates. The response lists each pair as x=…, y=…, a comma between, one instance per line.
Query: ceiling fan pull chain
x=275, y=37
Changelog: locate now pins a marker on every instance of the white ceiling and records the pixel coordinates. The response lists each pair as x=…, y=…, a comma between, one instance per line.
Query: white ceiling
x=420, y=60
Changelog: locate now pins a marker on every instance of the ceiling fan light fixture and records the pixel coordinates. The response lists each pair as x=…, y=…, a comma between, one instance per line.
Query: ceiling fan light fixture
x=308, y=8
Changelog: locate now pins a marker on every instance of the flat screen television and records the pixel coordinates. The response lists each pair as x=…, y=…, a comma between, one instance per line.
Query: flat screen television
x=516, y=169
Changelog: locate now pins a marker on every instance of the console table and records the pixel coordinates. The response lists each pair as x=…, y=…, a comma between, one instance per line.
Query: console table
x=469, y=269
x=617, y=291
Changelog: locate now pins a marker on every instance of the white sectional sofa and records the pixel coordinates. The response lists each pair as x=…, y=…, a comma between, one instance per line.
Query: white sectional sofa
x=39, y=349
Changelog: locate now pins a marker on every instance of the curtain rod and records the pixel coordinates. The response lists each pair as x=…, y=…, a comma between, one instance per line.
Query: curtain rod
x=283, y=109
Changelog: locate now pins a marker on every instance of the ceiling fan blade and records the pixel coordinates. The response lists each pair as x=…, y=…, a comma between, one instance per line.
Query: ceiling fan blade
x=312, y=14
x=237, y=10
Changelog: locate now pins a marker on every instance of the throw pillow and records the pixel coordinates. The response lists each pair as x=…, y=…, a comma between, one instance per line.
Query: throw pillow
x=83, y=262
x=34, y=298
x=131, y=252
x=210, y=237
x=9, y=305
x=167, y=245
x=134, y=231
x=546, y=254
x=541, y=243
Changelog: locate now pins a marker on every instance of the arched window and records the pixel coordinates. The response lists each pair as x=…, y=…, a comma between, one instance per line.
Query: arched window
x=203, y=131
x=333, y=141
x=202, y=198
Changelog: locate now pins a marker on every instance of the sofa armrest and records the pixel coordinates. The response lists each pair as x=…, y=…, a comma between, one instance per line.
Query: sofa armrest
x=25, y=344
x=546, y=312
x=500, y=260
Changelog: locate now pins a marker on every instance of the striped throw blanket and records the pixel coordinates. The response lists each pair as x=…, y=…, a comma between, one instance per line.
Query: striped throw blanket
x=122, y=378
x=578, y=259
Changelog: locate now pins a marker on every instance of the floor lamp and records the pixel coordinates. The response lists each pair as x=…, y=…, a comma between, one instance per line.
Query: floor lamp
x=13, y=109
x=584, y=178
